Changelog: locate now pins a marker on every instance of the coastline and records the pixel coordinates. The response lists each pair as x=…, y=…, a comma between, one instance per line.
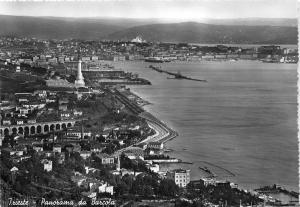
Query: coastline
x=163, y=133
x=150, y=93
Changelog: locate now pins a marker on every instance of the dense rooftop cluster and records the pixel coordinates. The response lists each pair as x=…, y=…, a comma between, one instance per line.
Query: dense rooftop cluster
x=55, y=52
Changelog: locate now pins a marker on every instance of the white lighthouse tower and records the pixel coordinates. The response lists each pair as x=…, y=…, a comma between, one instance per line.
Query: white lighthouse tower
x=79, y=82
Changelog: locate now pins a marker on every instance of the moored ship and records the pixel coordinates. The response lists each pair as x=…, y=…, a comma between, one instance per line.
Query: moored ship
x=154, y=60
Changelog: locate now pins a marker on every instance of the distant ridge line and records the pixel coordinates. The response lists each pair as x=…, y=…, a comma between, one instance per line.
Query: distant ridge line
x=224, y=31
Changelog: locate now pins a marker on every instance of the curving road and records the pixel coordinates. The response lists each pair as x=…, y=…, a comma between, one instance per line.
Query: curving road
x=162, y=132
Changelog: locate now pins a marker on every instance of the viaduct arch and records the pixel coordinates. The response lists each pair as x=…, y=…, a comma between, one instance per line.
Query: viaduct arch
x=37, y=128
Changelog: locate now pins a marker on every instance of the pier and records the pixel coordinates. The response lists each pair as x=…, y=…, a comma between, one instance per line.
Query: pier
x=176, y=75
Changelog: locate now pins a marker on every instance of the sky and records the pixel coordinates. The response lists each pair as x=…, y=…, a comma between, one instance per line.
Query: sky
x=163, y=9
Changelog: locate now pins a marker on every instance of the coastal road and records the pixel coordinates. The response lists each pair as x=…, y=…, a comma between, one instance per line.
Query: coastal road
x=162, y=132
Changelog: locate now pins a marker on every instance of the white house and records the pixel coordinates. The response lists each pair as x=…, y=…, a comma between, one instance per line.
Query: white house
x=180, y=176
x=155, y=145
x=85, y=154
x=47, y=165
x=89, y=194
x=57, y=148
x=106, y=159
x=20, y=121
x=37, y=148
x=106, y=188
x=6, y=121
x=208, y=181
x=154, y=167
x=88, y=169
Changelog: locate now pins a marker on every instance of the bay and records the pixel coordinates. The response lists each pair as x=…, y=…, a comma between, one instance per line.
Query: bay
x=241, y=124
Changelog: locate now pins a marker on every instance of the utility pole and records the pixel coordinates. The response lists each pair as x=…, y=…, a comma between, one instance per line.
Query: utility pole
x=82, y=130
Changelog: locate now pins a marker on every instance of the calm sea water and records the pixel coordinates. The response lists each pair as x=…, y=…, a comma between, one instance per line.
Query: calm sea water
x=241, y=124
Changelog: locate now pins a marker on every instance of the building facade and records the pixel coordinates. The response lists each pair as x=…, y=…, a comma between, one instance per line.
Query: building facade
x=180, y=176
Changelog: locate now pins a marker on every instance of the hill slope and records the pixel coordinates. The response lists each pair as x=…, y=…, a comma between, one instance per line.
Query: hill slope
x=55, y=28
x=285, y=22
x=207, y=33
x=151, y=29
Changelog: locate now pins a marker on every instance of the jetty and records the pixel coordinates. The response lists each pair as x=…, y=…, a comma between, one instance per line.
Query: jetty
x=277, y=189
x=177, y=75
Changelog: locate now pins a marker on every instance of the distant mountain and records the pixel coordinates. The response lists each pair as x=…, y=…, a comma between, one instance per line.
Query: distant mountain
x=56, y=28
x=207, y=33
x=64, y=27
x=221, y=31
x=285, y=22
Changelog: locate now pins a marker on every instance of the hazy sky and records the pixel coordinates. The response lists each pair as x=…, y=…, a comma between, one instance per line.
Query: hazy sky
x=171, y=9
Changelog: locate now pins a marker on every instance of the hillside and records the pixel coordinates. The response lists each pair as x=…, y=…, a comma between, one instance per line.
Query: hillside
x=207, y=33
x=285, y=22
x=152, y=29
x=56, y=28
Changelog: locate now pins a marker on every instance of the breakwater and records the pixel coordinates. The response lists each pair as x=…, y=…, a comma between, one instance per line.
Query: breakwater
x=222, y=168
x=177, y=75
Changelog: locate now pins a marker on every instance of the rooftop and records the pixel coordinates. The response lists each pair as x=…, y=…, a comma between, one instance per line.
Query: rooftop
x=180, y=171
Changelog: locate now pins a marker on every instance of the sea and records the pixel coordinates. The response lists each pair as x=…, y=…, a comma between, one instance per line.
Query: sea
x=241, y=124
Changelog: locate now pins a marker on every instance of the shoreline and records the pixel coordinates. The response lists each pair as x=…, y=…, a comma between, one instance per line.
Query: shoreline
x=163, y=133
x=158, y=125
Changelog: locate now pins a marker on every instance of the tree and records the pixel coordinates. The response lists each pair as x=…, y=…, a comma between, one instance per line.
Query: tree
x=80, y=168
x=168, y=187
x=128, y=180
x=18, y=187
x=122, y=188
x=109, y=149
x=101, y=139
x=148, y=191
x=76, y=193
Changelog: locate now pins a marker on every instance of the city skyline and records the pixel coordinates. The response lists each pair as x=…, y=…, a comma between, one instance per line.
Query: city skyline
x=169, y=10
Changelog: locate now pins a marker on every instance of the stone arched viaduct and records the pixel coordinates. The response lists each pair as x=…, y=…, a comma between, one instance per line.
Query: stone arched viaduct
x=36, y=128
